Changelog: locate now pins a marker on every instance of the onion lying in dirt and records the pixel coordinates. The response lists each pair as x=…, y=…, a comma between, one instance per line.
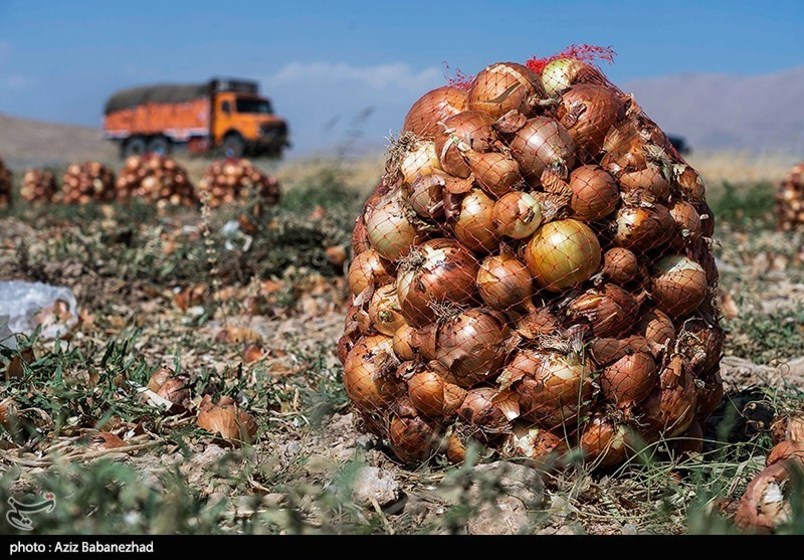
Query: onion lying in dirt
x=540, y=143
x=765, y=505
x=390, y=230
x=368, y=269
x=679, y=285
x=364, y=376
x=562, y=254
x=470, y=130
x=594, y=193
x=384, y=311
x=609, y=310
x=517, y=215
x=439, y=271
x=588, y=112
x=503, y=87
x=226, y=419
x=504, y=281
x=621, y=266
x=474, y=226
x=470, y=345
x=433, y=107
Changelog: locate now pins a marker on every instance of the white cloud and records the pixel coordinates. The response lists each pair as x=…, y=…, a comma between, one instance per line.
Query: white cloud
x=16, y=81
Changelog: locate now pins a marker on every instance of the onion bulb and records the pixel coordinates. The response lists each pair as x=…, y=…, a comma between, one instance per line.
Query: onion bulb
x=360, y=240
x=620, y=265
x=588, y=112
x=517, y=215
x=670, y=409
x=426, y=196
x=384, y=311
x=470, y=345
x=609, y=310
x=594, y=193
x=420, y=161
x=504, y=281
x=641, y=228
x=604, y=442
x=688, y=224
x=497, y=173
x=390, y=230
x=690, y=183
x=562, y=73
x=657, y=327
x=562, y=254
x=438, y=271
x=701, y=344
x=789, y=426
x=368, y=269
x=369, y=388
x=470, y=130
x=503, y=87
x=404, y=342
x=679, y=285
x=649, y=179
x=481, y=408
x=553, y=388
x=433, y=107
x=630, y=379
x=786, y=450
x=411, y=438
x=533, y=443
x=540, y=143
x=474, y=226
x=433, y=396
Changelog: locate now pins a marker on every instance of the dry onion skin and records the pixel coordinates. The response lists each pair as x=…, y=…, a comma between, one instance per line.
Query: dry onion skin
x=534, y=274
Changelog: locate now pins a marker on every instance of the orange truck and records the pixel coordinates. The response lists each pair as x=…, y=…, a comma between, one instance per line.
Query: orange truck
x=222, y=114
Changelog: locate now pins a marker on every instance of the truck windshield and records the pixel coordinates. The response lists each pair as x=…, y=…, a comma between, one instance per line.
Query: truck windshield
x=262, y=106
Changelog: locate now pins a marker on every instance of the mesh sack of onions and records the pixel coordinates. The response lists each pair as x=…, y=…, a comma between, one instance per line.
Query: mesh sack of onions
x=230, y=180
x=87, y=182
x=39, y=185
x=155, y=179
x=790, y=200
x=6, y=184
x=533, y=274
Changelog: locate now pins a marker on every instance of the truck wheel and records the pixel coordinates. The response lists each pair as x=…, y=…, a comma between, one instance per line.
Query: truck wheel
x=159, y=145
x=233, y=145
x=134, y=147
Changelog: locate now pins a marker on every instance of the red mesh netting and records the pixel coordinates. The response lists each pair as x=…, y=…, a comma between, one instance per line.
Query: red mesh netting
x=230, y=180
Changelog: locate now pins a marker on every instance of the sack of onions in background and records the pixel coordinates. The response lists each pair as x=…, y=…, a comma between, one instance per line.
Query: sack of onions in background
x=236, y=180
x=533, y=274
x=86, y=182
x=39, y=185
x=790, y=201
x=6, y=184
x=155, y=179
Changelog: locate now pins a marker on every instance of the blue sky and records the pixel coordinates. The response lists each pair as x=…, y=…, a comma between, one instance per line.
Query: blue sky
x=339, y=67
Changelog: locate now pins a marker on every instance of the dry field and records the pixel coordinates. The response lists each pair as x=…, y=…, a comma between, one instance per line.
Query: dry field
x=256, y=318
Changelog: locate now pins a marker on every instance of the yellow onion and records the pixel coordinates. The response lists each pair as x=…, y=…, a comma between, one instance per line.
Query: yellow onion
x=420, y=161
x=688, y=223
x=503, y=87
x=533, y=443
x=384, y=311
x=765, y=505
x=474, y=226
x=641, y=228
x=670, y=409
x=504, y=281
x=657, y=327
x=425, y=341
x=553, y=388
x=649, y=179
x=517, y=215
x=679, y=285
x=630, y=379
x=562, y=254
x=620, y=265
x=470, y=130
x=690, y=183
x=496, y=172
x=438, y=271
x=562, y=73
x=390, y=230
x=412, y=439
x=604, y=442
x=606, y=351
x=482, y=408
x=368, y=269
x=788, y=427
x=588, y=111
x=609, y=310
x=360, y=242
x=433, y=107
x=433, y=396
x=707, y=218
x=367, y=385
x=594, y=193
x=470, y=345
x=537, y=321
x=540, y=143
x=701, y=344
x=426, y=196
x=403, y=343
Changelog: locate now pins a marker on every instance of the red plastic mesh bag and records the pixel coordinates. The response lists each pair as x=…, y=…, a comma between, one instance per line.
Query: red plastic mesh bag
x=229, y=180
x=155, y=179
x=533, y=274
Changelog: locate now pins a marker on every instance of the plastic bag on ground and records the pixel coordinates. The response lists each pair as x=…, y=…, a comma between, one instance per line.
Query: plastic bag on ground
x=26, y=305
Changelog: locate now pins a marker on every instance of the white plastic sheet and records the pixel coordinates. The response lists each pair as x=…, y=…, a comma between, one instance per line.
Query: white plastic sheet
x=25, y=305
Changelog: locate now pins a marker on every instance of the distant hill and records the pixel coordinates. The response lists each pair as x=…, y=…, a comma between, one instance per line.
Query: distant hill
x=724, y=112
x=26, y=142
